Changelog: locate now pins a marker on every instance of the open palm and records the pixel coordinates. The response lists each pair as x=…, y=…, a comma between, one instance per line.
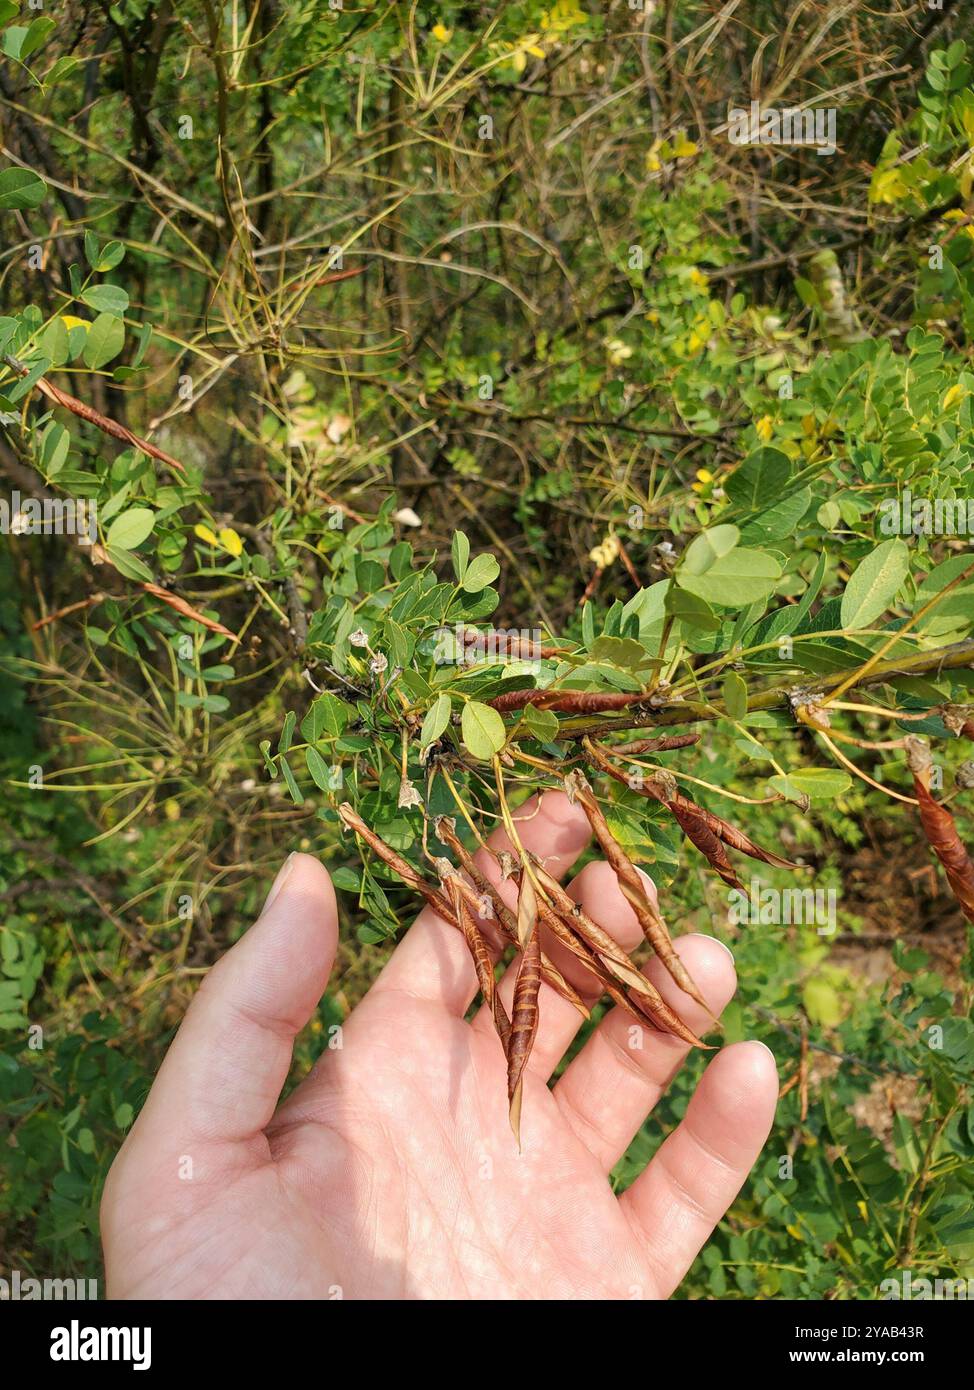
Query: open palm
x=391, y=1171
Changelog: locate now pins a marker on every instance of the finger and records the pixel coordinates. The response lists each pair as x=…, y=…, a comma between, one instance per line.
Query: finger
x=615, y=1081
x=223, y=1074
x=432, y=961
x=596, y=889
x=674, y=1205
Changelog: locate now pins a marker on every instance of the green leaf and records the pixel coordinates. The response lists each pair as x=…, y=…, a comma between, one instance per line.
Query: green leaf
x=287, y=733
x=758, y=483
x=318, y=768
x=874, y=584
x=34, y=37
x=819, y=783
x=481, y=571
x=692, y=612
x=436, y=719
x=291, y=783
x=21, y=387
x=128, y=564
x=111, y=256
x=822, y=1002
x=708, y=547
x=743, y=576
x=105, y=299
x=624, y=652
x=55, y=343
x=327, y=717
x=734, y=692
x=483, y=730
x=124, y=1115
x=460, y=555
x=106, y=338
x=541, y=723
x=54, y=448
x=131, y=528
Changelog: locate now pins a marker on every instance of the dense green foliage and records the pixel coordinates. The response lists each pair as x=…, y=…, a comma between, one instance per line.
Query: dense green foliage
x=447, y=318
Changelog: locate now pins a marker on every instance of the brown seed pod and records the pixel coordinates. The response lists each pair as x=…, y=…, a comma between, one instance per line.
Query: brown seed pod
x=573, y=701
x=662, y=744
x=605, y=958
x=551, y=975
x=940, y=829
x=483, y=964
x=524, y=1025
x=710, y=845
x=652, y=924
x=662, y=787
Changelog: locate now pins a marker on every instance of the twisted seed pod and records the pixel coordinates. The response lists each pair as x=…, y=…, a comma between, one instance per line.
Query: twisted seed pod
x=710, y=846
x=603, y=955
x=550, y=973
x=483, y=964
x=573, y=701
x=524, y=1024
x=652, y=924
x=941, y=830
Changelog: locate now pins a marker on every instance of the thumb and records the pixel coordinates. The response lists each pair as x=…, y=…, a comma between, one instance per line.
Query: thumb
x=222, y=1077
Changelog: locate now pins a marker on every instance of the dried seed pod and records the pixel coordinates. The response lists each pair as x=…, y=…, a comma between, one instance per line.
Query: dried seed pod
x=710, y=845
x=662, y=787
x=652, y=924
x=567, y=701
x=736, y=838
x=612, y=960
x=551, y=975
x=661, y=744
x=524, y=1025
x=483, y=964
x=940, y=829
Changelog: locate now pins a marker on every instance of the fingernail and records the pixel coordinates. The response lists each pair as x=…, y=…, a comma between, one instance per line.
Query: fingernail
x=756, y=1042
x=717, y=942
x=283, y=874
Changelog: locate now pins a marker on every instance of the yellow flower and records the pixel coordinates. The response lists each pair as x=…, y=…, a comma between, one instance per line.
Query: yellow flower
x=764, y=429
x=682, y=147
x=70, y=322
x=653, y=163
x=955, y=394
x=704, y=479
x=888, y=186
x=697, y=278
x=231, y=541
x=205, y=534
x=441, y=33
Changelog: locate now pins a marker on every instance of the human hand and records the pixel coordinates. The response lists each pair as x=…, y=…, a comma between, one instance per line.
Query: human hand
x=391, y=1171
